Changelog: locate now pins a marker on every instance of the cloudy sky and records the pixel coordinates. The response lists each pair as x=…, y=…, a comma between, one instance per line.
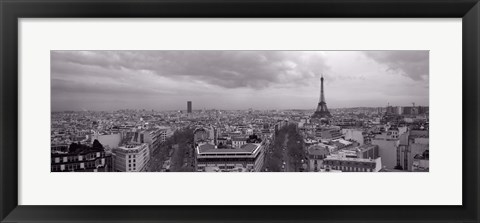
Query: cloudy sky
x=166, y=80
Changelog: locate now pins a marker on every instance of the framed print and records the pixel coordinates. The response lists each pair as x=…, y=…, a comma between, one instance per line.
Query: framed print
x=229, y=111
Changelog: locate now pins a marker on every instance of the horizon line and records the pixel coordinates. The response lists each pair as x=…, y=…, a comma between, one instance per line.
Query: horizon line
x=245, y=109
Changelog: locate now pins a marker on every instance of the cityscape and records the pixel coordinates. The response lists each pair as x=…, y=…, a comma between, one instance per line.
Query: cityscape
x=239, y=111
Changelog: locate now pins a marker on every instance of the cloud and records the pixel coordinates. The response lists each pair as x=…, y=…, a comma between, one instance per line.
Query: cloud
x=227, y=69
x=60, y=86
x=165, y=80
x=413, y=64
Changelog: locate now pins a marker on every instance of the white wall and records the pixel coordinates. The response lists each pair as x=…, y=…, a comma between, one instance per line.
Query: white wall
x=388, y=151
x=353, y=134
x=112, y=140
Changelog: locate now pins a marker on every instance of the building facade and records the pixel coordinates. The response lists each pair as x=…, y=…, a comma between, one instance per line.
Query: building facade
x=316, y=154
x=247, y=158
x=388, y=144
x=83, y=159
x=131, y=157
x=328, y=134
x=417, y=144
x=346, y=164
x=238, y=141
x=189, y=107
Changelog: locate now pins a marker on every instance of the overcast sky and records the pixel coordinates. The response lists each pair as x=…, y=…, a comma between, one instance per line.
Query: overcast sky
x=166, y=80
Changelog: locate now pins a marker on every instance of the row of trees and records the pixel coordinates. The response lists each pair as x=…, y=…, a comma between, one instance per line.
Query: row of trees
x=180, y=142
x=274, y=156
x=180, y=138
x=295, y=148
x=289, y=138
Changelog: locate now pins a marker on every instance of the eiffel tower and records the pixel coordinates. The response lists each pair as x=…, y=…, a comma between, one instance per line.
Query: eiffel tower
x=322, y=110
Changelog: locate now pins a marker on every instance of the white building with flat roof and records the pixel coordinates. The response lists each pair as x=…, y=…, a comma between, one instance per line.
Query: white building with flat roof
x=346, y=164
x=131, y=157
x=388, y=145
x=246, y=158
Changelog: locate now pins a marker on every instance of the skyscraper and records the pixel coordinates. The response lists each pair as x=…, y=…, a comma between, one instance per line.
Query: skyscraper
x=189, y=107
x=322, y=111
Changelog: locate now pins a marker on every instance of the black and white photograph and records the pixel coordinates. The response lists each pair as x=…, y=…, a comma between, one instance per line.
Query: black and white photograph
x=239, y=111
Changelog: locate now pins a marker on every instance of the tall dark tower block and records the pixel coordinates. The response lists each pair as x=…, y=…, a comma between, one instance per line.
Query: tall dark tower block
x=189, y=107
x=322, y=110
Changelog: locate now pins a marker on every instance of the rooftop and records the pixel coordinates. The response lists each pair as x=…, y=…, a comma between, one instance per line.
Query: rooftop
x=350, y=159
x=209, y=148
x=239, y=138
x=76, y=149
x=363, y=147
x=418, y=136
x=131, y=146
x=318, y=150
x=343, y=142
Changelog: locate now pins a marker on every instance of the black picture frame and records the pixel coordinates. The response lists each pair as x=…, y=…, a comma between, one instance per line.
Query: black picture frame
x=12, y=10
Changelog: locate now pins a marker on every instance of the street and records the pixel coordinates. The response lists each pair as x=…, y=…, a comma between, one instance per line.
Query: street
x=286, y=159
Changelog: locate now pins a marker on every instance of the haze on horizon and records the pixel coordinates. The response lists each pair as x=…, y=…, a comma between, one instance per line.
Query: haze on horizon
x=236, y=80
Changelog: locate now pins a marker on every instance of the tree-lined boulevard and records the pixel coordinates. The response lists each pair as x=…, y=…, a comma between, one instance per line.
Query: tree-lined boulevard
x=286, y=152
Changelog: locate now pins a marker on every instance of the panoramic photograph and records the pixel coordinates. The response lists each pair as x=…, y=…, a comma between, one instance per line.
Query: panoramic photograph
x=239, y=111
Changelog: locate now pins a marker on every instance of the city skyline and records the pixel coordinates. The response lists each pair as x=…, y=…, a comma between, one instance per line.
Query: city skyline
x=228, y=137
x=236, y=80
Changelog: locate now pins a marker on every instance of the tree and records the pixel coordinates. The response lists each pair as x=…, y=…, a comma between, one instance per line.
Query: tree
x=295, y=145
x=73, y=147
x=273, y=160
x=97, y=145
